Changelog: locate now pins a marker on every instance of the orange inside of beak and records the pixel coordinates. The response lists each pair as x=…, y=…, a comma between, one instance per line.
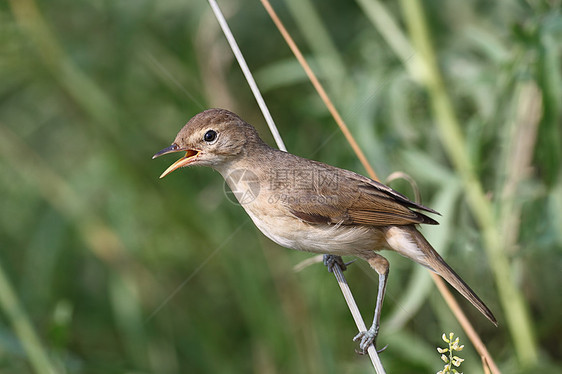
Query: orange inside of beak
x=189, y=157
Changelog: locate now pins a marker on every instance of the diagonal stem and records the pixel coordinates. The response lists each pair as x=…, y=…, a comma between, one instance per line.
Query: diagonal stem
x=465, y=323
x=320, y=89
x=247, y=74
x=346, y=291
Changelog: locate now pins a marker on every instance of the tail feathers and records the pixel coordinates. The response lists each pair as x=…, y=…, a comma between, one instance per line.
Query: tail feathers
x=432, y=260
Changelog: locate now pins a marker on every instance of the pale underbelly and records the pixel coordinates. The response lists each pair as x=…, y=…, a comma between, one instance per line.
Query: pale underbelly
x=293, y=233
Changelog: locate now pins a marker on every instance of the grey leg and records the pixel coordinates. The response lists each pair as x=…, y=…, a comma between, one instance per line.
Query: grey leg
x=381, y=266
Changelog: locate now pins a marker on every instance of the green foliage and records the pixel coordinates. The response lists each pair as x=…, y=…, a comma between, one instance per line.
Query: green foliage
x=107, y=269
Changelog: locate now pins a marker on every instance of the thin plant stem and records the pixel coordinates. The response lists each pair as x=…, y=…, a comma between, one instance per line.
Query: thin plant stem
x=346, y=291
x=247, y=74
x=319, y=88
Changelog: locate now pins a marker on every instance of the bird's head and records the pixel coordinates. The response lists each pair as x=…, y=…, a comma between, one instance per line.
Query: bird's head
x=212, y=138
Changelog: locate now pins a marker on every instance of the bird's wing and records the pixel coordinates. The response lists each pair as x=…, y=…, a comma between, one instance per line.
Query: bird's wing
x=340, y=196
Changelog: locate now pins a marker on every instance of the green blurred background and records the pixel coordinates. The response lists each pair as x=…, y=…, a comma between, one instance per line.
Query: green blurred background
x=107, y=269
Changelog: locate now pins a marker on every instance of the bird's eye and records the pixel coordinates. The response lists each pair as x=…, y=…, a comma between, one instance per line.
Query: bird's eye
x=210, y=136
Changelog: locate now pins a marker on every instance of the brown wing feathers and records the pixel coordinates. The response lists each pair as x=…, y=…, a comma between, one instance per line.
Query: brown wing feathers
x=382, y=207
x=363, y=202
x=351, y=198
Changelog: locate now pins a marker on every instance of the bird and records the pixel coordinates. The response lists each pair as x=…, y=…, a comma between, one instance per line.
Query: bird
x=310, y=206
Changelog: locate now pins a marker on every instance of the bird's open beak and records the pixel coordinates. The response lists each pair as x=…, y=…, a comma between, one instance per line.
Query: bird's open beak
x=190, y=155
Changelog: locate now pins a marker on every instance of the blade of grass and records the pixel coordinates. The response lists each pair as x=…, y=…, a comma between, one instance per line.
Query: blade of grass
x=82, y=89
x=320, y=43
x=101, y=239
x=127, y=310
x=36, y=353
x=383, y=21
x=453, y=141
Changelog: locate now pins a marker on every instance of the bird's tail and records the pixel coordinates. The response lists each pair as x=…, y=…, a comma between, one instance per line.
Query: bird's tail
x=401, y=241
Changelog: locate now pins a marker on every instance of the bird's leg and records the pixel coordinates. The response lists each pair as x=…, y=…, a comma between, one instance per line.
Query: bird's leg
x=331, y=260
x=381, y=266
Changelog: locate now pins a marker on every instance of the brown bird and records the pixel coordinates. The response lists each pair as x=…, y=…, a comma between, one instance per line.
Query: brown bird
x=310, y=206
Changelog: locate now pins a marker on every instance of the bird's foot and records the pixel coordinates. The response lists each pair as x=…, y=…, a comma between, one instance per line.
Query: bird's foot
x=367, y=338
x=331, y=260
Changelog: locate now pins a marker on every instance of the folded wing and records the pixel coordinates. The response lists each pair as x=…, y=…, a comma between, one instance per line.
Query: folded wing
x=356, y=200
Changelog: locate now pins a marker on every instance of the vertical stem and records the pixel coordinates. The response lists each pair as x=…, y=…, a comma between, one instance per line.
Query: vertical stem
x=514, y=307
